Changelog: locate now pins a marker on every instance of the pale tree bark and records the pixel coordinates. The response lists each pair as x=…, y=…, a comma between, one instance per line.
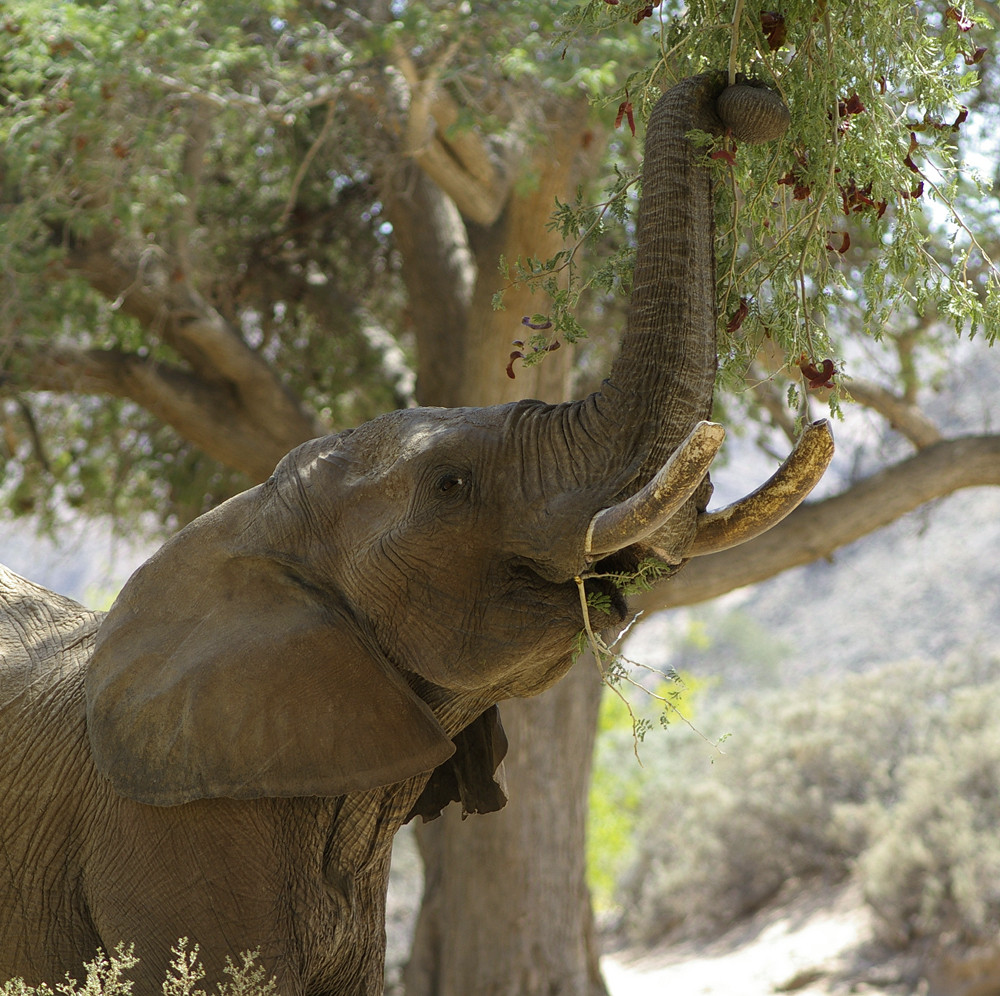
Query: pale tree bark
x=506, y=908
x=903, y=415
x=439, y=271
x=456, y=161
x=451, y=270
x=519, y=232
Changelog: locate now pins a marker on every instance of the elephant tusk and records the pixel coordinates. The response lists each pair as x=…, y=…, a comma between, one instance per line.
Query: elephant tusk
x=632, y=520
x=773, y=500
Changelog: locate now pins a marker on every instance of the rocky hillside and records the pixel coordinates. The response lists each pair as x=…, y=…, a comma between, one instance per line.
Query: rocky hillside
x=925, y=586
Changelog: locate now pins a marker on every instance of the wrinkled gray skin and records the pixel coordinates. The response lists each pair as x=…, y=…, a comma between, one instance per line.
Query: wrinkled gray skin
x=227, y=754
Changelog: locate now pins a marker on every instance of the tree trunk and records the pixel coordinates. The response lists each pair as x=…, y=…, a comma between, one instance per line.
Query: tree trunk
x=506, y=910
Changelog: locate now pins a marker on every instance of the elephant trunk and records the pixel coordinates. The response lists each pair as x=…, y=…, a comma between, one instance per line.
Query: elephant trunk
x=662, y=380
x=632, y=459
x=661, y=383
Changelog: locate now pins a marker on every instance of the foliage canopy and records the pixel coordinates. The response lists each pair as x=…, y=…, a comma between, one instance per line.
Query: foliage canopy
x=246, y=152
x=865, y=212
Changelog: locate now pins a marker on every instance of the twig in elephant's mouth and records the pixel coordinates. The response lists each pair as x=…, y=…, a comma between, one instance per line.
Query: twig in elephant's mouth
x=615, y=668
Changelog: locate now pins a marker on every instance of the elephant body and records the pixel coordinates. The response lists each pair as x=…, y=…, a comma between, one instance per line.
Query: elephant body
x=301, y=879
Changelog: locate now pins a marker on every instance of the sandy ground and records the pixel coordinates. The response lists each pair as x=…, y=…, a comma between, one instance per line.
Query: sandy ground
x=803, y=948
x=813, y=945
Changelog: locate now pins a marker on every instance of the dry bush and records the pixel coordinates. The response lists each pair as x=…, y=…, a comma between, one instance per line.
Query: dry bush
x=933, y=870
x=107, y=975
x=819, y=780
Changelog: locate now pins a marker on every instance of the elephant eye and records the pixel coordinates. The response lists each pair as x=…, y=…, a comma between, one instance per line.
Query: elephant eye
x=449, y=482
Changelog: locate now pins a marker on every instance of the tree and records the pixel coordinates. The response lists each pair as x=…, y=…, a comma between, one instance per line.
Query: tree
x=230, y=227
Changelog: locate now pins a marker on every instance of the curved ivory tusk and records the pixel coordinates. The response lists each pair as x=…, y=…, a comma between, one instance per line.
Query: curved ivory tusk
x=773, y=500
x=647, y=510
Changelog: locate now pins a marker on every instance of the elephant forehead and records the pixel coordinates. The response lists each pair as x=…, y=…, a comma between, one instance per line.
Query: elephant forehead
x=413, y=435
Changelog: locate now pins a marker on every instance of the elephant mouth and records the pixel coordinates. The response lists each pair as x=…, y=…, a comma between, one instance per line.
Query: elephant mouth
x=604, y=589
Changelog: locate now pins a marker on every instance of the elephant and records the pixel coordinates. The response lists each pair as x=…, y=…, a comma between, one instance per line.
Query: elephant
x=226, y=754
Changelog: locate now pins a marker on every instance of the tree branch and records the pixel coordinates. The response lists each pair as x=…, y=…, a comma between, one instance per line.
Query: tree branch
x=206, y=413
x=903, y=416
x=300, y=173
x=440, y=274
x=765, y=392
x=816, y=530
x=165, y=302
x=232, y=100
x=199, y=133
x=460, y=164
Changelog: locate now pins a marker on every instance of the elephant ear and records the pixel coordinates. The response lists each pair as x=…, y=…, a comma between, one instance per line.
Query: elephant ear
x=473, y=775
x=218, y=674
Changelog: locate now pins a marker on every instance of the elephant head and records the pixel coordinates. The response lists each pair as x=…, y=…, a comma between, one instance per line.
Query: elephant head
x=335, y=628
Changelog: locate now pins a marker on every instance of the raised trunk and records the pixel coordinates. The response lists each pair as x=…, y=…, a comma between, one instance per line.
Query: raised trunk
x=661, y=383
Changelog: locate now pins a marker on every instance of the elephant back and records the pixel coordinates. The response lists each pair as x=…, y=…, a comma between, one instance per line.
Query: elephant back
x=45, y=638
x=45, y=772
x=46, y=641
